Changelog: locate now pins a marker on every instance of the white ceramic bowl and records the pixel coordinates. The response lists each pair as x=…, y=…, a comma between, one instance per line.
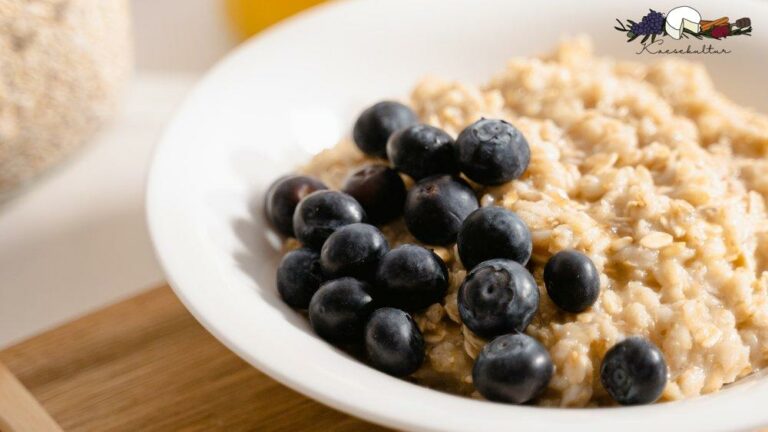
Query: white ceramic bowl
x=296, y=89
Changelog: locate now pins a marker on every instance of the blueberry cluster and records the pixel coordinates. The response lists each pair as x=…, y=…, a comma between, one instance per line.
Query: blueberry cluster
x=360, y=292
x=651, y=24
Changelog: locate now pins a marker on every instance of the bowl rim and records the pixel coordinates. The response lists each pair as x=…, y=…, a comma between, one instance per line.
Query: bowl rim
x=172, y=234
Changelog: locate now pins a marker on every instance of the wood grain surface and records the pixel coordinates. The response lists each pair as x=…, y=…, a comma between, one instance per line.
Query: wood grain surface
x=146, y=365
x=19, y=410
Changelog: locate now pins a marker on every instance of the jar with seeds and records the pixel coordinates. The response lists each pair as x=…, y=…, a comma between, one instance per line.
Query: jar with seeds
x=63, y=64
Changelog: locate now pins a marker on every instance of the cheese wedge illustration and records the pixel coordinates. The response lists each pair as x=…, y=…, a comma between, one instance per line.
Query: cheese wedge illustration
x=680, y=19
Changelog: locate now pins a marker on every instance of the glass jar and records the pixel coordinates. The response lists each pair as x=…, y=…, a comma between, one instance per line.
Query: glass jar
x=63, y=65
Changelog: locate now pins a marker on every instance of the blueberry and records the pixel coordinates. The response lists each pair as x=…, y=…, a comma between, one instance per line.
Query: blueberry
x=321, y=213
x=380, y=190
x=492, y=152
x=393, y=342
x=298, y=277
x=422, y=151
x=353, y=250
x=634, y=372
x=411, y=277
x=436, y=207
x=493, y=232
x=572, y=281
x=513, y=368
x=339, y=310
x=498, y=296
x=374, y=126
x=283, y=196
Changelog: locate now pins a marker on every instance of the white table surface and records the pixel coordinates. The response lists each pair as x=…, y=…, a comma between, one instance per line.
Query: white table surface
x=77, y=240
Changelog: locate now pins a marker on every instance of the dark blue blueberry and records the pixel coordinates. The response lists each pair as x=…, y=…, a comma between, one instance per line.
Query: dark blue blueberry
x=339, y=310
x=492, y=152
x=422, y=151
x=374, y=126
x=298, y=277
x=493, y=232
x=436, y=207
x=410, y=277
x=572, y=281
x=321, y=213
x=498, y=296
x=380, y=190
x=353, y=250
x=634, y=372
x=513, y=368
x=393, y=342
x=283, y=196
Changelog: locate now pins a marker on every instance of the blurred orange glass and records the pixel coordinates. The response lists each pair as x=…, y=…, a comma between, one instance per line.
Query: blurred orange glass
x=251, y=16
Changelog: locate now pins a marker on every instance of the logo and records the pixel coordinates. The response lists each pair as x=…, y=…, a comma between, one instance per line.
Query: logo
x=683, y=22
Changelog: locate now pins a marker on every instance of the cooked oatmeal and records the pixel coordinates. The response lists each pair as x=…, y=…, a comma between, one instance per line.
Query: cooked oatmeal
x=648, y=170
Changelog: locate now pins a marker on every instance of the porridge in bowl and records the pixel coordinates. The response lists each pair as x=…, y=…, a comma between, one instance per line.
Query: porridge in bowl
x=623, y=259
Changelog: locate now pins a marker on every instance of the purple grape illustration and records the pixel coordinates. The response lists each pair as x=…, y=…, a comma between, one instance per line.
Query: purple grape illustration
x=651, y=24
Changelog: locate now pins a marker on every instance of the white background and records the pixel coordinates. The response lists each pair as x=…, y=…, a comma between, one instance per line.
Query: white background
x=77, y=240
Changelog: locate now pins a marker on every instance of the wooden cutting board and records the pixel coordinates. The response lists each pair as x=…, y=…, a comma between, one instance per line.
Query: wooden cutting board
x=146, y=365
